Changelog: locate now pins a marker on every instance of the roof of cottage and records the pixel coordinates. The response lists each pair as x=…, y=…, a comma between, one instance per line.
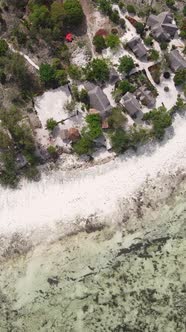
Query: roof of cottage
x=113, y=76
x=137, y=47
x=162, y=26
x=176, y=60
x=131, y=104
x=145, y=96
x=98, y=99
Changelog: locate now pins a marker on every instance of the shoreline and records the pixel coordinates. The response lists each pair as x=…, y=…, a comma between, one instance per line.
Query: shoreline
x=97, y=280
x=130, y=215
x=63, y=201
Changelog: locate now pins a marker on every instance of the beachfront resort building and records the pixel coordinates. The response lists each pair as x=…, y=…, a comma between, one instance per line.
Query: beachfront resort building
x=176, y=60
x=162, y=27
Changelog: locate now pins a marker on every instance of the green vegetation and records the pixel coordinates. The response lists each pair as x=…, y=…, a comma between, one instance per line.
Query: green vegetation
x=125, y=86
x=3, y=47
x=51, y=124
x=139, y=28
x=39, y=16
x=83, y=146
x=170, y=3
x=99, y=43
x=94, y=126
x=83, y=97
x=52, y=152
x=180, y=77
x=61, y=77
x=112, y=41
x=183, y=28
x=160, y=119
x=93, y=130
x=131, y=9
x=114, y=16
x=153, y=54
x=117, y=119
x=184, y=10
x=120, y=141
x=73, y=12
x=15, y=137
x=126, y=64
x=105, y=6
x=97, y=70
x=74, y=72
x=148, y=41
x=52, y=77
x=47, y=74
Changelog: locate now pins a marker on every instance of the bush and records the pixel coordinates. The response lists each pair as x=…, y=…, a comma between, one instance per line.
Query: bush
x=125, y=86
x=126, y=64
x=114, y=16
x=2, y=77
x=120, y=141
x=170, y=3
x=74, y=72
x=99, y=43
x=61, y=77
x=117, y=119
x=73, y=12
x=139, y=28
x=47, y=74
x=40, y=16
x=105, y=6
x=112, y=41
x=131, y=9
x=83, y=96
x=138, y=136
x=8, y=174
x=180, y=76
x=83, y=146
x=153, y=54
x=122, y=23
x=57, y=13
x=183, y=28
x=51, y=124
x=160, y=119
x=184, y=10
x=3, y=47
x=163, y=46
x=97, y=70
x=148, y=41
x=56, y=63
x=94, y=126
x=52, y=151
x=20, y=73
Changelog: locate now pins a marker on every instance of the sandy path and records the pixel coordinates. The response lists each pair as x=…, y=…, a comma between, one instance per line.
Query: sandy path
x=27, y=58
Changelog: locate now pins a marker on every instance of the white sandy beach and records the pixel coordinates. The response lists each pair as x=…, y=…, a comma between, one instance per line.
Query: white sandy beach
x=64, y=196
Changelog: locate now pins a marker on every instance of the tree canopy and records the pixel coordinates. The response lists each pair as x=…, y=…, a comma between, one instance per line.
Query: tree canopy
x=126, y=64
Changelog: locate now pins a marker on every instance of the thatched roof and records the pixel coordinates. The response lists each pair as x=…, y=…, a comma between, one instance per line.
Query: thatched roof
x=131, y=104
x=162, y=27
x=176, y=60
x=137, y=47
x=98, y=99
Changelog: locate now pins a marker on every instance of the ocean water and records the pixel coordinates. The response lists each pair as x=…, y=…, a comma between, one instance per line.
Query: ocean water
x=129, y=277
x=102, y=249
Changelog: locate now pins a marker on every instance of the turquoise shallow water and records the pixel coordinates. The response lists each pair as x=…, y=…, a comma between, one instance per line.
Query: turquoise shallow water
x=129, y=277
